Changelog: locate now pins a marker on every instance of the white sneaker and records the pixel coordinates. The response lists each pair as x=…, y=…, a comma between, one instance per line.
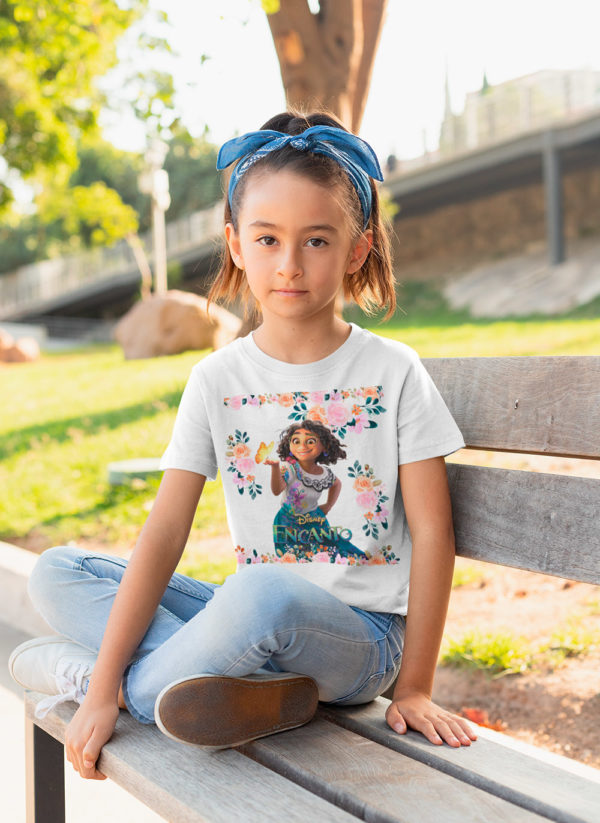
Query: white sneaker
x=53, y=665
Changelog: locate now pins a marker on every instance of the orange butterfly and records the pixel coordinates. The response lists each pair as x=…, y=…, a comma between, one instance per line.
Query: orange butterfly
x=263, y=451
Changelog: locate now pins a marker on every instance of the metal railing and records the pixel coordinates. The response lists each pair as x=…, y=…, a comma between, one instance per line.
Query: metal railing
x=33, y=287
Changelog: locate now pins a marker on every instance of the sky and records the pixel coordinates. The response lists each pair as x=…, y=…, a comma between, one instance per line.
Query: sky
x=239, y=86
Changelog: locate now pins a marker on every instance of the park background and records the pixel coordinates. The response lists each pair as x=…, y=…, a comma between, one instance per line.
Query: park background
x=197, y=77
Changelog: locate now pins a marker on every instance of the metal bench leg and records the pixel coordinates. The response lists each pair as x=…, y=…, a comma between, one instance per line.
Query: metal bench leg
x=45, y=769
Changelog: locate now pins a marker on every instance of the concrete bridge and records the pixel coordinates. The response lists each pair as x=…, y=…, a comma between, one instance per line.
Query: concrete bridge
x=104, y=275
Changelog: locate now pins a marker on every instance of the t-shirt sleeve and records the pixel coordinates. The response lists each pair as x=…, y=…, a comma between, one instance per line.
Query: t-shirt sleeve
x=191, y=446
x=425, y=426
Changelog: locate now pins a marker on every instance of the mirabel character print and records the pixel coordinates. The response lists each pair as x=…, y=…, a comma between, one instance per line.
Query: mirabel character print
x=301, y=526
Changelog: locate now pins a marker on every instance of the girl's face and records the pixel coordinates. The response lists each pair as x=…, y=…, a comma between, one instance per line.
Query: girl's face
x=304, y=445
x=294, y=243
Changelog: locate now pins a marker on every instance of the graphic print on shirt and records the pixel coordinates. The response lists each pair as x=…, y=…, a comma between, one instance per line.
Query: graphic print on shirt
x=298, y=469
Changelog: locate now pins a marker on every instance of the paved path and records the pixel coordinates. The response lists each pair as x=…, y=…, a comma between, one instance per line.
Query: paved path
x=90, y=801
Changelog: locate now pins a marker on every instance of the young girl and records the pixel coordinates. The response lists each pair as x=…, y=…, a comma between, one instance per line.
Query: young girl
x=301, y=524
x=218, y=665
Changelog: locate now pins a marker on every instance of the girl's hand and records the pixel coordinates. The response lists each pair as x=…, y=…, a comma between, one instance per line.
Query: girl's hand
x=270, y=462
x=414, y=709
x=90, y=728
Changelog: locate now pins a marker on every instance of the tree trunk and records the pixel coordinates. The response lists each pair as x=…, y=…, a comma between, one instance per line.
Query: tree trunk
x=326, y=59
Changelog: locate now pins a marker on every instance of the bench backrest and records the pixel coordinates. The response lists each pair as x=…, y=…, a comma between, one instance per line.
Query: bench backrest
x=536, y=405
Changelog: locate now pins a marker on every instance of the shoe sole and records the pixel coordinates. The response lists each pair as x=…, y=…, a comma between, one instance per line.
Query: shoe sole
x=220, y=712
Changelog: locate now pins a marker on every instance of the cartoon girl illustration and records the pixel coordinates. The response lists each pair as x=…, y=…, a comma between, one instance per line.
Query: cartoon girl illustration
x=301, y=527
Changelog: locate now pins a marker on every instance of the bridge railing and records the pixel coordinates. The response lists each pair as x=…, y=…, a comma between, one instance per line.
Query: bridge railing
x=32, y=287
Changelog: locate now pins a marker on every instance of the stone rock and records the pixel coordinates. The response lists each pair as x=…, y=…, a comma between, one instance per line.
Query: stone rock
x=173, y=323
x=25, y=350
x=6, y=342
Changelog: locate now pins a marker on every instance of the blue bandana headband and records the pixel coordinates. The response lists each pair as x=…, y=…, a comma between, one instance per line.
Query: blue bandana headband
x=354, y=155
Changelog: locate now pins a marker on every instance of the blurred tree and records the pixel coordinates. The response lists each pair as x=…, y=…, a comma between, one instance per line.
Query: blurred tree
x=51, y=54
x=326, y=56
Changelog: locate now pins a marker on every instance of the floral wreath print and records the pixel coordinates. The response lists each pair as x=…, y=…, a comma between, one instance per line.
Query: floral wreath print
x=320, y=554
x=340, y=410
x=370, y=497
x=242, y=464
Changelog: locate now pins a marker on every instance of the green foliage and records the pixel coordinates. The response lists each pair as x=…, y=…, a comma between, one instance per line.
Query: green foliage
x=51, y=53
x=572, y=640
x=270, y=6
x=497, y=654
x=94, y=215
x=194, y=183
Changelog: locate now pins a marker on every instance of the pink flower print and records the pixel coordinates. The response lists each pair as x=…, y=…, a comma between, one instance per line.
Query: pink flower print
x=367, y=500
x=341, y=561
x=379, y=517
x=286, y=399
x=240, y=450
x=337, y=414
x=359, y=422
x=253, y=401
x=238, y=481
x=317, y=397
x=321, y=557
x=335, y=396
x=318, y=414
x=235, y=402
x=245, y=465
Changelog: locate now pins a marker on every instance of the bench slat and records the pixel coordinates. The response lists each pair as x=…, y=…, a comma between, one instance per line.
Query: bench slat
x=550, y=785
x=189, y=785
x=529, y=520
x=558, y=408
x=375, y=783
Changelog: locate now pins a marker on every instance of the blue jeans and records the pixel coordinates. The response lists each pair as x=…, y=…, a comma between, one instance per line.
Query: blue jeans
x=264, y=617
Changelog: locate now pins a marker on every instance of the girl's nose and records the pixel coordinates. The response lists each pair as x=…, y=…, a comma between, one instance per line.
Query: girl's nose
x=289, y=263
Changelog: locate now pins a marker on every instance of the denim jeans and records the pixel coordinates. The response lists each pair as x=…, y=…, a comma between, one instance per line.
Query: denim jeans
x=263, y=618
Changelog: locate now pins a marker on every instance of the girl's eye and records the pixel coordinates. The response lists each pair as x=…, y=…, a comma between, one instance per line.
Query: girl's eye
x=316, y=242
x=266, y=240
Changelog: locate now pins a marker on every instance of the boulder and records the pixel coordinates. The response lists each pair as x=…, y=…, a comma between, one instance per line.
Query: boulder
x=174, y=322
x=6, y=342
x=24, y=350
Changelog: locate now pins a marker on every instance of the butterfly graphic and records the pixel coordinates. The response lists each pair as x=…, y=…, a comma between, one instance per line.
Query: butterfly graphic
x=263, y=451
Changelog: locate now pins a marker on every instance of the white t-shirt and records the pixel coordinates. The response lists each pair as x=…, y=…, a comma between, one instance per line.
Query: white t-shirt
x=368, y=407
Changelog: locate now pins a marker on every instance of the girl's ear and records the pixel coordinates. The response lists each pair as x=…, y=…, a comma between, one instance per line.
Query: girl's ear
x=235, y=248
x=360, y=251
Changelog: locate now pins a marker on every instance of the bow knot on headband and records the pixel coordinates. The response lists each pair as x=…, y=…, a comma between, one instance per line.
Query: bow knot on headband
x=354, y=155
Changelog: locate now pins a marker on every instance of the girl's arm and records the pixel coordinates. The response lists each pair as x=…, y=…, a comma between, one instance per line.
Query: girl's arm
x=152, y=564
x=334, y=493
x=277, y=480
x=426, y=499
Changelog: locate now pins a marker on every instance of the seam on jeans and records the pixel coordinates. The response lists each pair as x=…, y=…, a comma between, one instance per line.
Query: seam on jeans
x=253, y=648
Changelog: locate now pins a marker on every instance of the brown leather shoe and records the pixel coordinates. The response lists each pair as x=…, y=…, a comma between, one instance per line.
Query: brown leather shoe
x=218, y=712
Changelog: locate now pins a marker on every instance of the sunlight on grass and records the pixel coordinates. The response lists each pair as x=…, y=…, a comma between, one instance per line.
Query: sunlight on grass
x=497, y=654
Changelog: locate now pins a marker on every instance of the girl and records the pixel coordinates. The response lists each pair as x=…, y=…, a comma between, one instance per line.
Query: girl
x=218, y=665
x=301, y=523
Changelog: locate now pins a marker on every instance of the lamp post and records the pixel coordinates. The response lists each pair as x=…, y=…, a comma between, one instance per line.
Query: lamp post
x=155, y=181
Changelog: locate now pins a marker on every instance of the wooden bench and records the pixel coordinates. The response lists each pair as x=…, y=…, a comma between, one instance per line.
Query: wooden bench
x=347, y=765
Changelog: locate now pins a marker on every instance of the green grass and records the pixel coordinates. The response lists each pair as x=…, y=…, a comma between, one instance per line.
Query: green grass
x=434, y=330
x=64, y=418
x=498, y=654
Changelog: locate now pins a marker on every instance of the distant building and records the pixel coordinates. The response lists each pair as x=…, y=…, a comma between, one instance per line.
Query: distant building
x=495, y=113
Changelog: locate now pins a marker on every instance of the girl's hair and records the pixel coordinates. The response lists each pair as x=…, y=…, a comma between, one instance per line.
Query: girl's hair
x=371, y=286
x=331, y=444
